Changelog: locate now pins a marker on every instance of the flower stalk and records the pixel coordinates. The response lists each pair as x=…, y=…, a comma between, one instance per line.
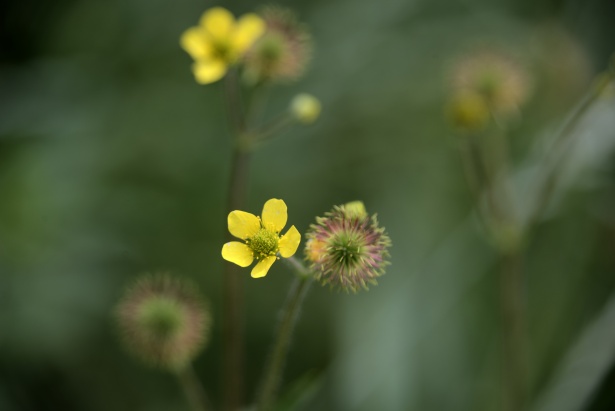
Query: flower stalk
x=272, y=46
x=485, y=160
x=233, y=287
x=272, y=375
x=514, y=344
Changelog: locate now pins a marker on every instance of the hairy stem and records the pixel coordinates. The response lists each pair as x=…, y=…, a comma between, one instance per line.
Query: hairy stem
x=272, y=376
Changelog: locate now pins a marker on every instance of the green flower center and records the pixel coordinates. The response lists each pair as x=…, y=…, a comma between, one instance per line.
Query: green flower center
x=347, y=248
x=489, y=83
x=160, y=317
x=264, y=243
x=271, y=48
x=222, y=50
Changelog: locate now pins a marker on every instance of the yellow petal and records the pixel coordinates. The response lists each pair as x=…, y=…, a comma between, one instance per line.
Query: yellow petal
x=243, y=225
x=196, y=43
x=289, y=242
x=260, y=269
x=274, y=214
x=237, y=253
x=219, y=22
x=248, y=29
x=208, y=71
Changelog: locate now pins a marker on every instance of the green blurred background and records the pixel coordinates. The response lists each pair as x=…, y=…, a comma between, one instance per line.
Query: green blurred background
x=114, y=162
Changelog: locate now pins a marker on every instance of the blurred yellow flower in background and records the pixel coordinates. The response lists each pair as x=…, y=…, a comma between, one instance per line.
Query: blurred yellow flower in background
x=468, y=111
x=262, y=237
x=219, y=41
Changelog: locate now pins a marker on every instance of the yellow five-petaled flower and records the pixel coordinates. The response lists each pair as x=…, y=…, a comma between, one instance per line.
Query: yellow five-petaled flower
x=219, y=41
x=262, y=238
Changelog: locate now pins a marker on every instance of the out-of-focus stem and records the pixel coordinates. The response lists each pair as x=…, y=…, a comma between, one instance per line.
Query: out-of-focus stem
x=233, y=293
x=233, y=290
x=512, y=302
x=480, y=179
x=193, y=390
x=272, y=375
x=234, y=107
x=486, y=164
x=274, y=127
x=471, y=172
x=514, y=344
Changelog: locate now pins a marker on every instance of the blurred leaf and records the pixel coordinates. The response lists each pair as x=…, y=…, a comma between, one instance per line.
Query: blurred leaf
x=584, y=367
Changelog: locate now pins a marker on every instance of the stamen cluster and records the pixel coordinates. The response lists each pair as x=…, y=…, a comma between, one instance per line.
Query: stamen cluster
x=264, y=243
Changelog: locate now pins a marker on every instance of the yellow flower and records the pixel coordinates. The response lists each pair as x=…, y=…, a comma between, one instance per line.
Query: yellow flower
x=262, y=238
x=219, y=41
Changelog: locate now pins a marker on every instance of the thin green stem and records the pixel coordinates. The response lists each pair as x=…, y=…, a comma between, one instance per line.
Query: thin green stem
x=234, y=107
x=297, y=265
x=477, y=178
x=272, y=375
x=193, y=389
x=472, y=174
x=486, y=163
x=514, y=344
x=493, y=156
x=233, y=287
x=257, y=102
x=274, y=127
x=233, y=292
x=512, y=303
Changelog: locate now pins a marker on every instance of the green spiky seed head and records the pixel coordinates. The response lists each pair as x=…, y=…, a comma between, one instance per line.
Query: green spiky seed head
x=163, y=321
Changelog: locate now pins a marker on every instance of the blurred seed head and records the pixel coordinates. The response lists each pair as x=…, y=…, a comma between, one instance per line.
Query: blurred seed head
x=501, y=80
x=283, y=52
x=305, y=108
x=163, y=321
x=346, y=248
x=564, y=66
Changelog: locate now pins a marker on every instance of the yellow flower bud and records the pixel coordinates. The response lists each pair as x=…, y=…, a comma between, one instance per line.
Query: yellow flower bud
x=355, y=209
x=305, y=108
